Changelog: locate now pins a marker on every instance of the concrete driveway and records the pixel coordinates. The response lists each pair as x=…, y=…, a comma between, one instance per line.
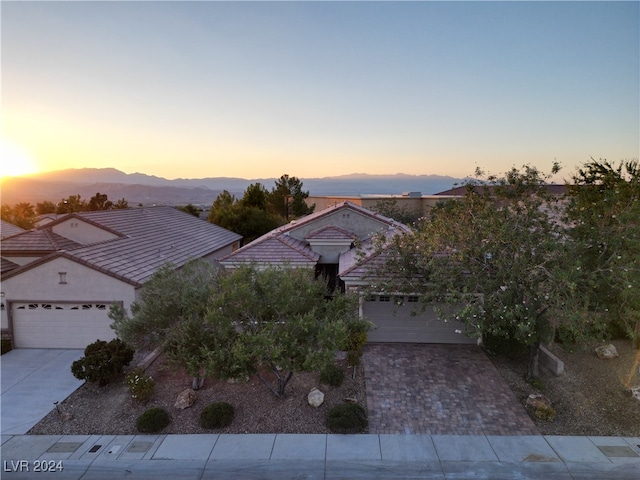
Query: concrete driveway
x=431, y=389
x=32, y=379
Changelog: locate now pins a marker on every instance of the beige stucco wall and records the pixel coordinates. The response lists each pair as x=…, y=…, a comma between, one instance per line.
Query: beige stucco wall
x=82, y=232
x=363, y=226
x=42, y=283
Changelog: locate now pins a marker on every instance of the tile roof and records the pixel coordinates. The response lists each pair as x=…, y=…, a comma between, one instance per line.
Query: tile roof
x=288, y=249
x=150, y=238
x=331, y=232
x=7, y=266
x=7, y=229
x=37, y=241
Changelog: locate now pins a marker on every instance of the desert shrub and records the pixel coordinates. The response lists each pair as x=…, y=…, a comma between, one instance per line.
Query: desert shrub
x=102, y=361
x=140, y=385
x=216, y=415
x=6, y=346
x=153, y=420
x=332, y=375
x=503, y=346
x=356, y=340
x=347, y=418
x=545, y=412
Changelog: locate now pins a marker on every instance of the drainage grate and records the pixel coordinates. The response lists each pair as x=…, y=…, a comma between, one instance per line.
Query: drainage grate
x=618, y=451
x=64, y=447
x=139, y=447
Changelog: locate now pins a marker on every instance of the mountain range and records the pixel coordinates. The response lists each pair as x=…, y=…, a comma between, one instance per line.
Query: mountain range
x=140, y=188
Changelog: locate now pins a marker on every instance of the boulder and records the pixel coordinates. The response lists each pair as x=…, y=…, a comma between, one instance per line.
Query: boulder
x=537, y=400
x=315, y=397
x=606, y=352
x=185, y=399
x=635, y=392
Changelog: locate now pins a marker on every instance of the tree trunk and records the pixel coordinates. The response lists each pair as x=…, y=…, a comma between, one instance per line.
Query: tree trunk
x=197, y=382
x=533, y=372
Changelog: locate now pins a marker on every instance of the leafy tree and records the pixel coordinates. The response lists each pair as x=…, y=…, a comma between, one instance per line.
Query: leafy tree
x=45, y=207
x=102, y=361
x=73, y=203
x=286, y=323
x=99, y=201
x=490, y=253
x=22, y=215
x=287, y=198
x=603, y=270
x=191, y=209
x=390, y=208
x=244, y=216
x=170, y=315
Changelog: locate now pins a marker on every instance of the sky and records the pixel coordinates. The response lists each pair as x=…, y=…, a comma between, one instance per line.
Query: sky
x=315, y=89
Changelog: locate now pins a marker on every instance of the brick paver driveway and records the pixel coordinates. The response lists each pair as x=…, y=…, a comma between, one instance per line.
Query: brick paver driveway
x=439, y=389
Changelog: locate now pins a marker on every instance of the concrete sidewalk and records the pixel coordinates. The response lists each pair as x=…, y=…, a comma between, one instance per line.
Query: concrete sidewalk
x=281, y=456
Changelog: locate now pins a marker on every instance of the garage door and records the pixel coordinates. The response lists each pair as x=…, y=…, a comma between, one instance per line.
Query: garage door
x=60, y=325
x=397, y=319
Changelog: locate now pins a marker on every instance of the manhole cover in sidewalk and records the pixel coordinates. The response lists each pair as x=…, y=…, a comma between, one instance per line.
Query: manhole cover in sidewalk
x=618, y=451
x=64, y=447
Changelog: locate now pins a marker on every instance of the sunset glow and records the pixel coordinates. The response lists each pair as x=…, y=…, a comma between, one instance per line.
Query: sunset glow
x=15, y=160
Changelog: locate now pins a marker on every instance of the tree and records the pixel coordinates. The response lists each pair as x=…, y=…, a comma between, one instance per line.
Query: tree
x=121, y=204
x=99, y=201
x=288, y=200
x=286, y=324
x=45, y=207
x=22, y=215
x=170, y=315
x=491, y=254
x=191, y=209
x=603, y=267
x=390, y=208
x=71, y=204
x=244, y=216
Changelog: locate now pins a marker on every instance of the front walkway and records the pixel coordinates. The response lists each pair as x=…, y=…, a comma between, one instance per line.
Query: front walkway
x=439, y=389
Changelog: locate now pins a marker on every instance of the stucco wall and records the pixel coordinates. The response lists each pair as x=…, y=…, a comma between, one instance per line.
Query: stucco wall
x=42, y=283
x=347, y=219
x=82, y=232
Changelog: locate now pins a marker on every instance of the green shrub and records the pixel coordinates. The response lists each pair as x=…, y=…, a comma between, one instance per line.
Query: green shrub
x=140, y=385
x=332, y=375
x=545, y=412
x=216, y=415
x=356, y=340
x=153, y=420
x=6, y=346
x=102, y=361
x=347, y=418
x=504, y=346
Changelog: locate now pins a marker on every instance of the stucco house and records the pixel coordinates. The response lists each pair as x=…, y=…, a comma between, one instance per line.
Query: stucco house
x=59, y=280
x=337, y=243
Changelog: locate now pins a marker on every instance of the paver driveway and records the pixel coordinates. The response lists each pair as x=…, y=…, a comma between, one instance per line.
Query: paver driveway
x=439, y=389
x=32, y=379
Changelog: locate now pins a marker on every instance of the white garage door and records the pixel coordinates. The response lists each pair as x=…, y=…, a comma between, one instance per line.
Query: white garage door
x=398, y=319
x=60, y=325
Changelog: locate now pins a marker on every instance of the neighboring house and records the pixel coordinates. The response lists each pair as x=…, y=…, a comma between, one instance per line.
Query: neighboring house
x=337, y=242
x=7, y=229
x=59, y=280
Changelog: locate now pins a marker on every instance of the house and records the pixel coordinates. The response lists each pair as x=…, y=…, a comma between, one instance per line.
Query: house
x=337, y=242
x=7, y=229
x=59, y=280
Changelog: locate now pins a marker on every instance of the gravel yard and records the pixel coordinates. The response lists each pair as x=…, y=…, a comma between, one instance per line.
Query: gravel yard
x=591, y=398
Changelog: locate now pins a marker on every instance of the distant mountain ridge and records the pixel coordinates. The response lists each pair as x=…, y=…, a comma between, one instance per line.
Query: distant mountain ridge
x=140, y=188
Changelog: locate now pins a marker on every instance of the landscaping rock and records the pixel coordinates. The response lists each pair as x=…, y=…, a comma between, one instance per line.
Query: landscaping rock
x=635, y=392
x=185, y=399
x=315, y=398
x=606, y=352
x=537, y=400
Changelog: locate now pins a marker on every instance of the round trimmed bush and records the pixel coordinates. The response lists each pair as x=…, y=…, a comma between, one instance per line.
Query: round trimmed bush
x=332, y=375
x=347, y=418
x=216, y=415
x=153, y=420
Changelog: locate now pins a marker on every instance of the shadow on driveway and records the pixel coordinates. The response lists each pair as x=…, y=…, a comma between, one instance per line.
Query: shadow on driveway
x=439, y=389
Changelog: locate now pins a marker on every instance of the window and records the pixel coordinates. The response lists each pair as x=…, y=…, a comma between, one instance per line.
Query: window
x=46, y=306
x=412, y=299
x=384, y=298
x=101, y=307
x=86, y=306
x=33, y=306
